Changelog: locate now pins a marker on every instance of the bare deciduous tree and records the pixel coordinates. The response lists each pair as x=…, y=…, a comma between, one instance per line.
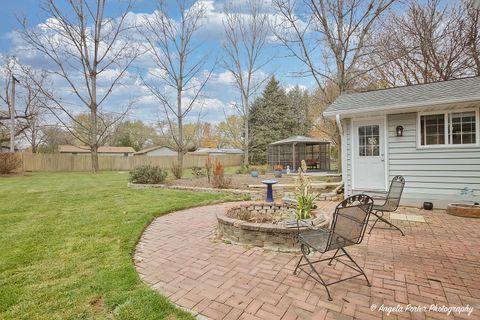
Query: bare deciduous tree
x=30, y=100
x=246, y=28
x=426, y=43
x=331, y=39
x=85, y=47
x=180, y=78
x=472, y=34
x=35, y=83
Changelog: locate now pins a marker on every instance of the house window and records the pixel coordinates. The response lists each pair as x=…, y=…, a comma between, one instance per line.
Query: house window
x=369, y=138
x=462, y=128
x=453, y=128
x=433, y=129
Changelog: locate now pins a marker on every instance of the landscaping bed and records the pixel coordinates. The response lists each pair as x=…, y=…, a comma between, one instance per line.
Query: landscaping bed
x=246, y=181
x=238, y=181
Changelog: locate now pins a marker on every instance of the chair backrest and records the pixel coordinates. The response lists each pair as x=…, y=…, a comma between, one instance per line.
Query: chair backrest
x=394, y=194
x=350, y=221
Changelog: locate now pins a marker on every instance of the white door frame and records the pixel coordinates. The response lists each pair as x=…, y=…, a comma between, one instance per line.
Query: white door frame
x=354, y=121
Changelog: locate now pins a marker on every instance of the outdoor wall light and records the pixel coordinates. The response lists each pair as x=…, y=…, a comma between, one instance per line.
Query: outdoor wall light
x=399, y=130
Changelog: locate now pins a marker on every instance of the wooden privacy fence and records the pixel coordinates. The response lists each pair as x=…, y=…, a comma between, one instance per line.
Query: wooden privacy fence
x=67, y=162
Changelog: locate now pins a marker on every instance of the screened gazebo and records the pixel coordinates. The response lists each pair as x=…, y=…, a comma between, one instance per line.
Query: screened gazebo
x=291, y=151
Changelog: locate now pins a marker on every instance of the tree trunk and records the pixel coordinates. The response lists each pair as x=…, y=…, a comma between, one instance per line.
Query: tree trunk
x=180, y=131
x=93, y=140
x=94, y=120
x=94, y=153
x=246, y=139
x=246, y=143
x=34, y=138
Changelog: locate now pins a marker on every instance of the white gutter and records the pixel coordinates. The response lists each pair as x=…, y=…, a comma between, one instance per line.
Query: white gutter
x=396, y=107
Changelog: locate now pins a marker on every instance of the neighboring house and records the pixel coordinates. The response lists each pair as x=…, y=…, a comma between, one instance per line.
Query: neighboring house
x=215, y=151
x=428, y=133
x=102, y=151
x=157, y=151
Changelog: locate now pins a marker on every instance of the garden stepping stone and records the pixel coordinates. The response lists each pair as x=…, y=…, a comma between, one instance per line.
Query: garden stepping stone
x=407, y=217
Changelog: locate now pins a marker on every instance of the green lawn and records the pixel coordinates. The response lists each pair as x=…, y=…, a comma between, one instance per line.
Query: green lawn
x=66, y=245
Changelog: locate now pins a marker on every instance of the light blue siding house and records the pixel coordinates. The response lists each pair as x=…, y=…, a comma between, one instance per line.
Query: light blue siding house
x=429, y=133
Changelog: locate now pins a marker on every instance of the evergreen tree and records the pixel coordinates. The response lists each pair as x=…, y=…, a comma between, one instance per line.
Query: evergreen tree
x=270, y=120
x=298, y=102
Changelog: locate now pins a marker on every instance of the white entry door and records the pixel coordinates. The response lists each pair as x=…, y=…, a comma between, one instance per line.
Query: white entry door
x=369, y=154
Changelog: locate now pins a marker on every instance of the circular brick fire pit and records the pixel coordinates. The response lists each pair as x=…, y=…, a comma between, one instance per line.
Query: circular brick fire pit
x=261, y=225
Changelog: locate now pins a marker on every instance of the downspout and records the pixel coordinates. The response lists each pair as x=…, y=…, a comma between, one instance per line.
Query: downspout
x=340, y=129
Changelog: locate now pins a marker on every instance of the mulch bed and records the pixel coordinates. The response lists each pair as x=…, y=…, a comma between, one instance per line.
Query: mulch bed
x=238, y=181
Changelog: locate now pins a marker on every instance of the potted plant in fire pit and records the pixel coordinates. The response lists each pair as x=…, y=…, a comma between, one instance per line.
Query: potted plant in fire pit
x=305, y=200
x=277, y=170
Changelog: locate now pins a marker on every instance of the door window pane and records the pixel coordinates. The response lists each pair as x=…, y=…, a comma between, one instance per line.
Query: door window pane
x=369, y=141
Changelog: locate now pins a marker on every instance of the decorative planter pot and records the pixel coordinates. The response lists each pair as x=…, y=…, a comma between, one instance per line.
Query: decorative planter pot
x=254, y=174
x=277, y=174
x=427, y=205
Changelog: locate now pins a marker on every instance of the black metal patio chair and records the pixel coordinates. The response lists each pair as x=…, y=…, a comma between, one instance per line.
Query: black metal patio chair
x=391, y=201
x=348, y=227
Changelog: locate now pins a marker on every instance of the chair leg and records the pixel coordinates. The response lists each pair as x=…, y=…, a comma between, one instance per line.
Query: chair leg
x=318, y=278
x=382, y=219
x=359, y=268
x=298, y=264
x=374, y=222
x=330, y=262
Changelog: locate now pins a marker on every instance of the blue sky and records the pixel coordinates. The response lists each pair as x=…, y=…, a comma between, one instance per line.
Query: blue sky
x=219, y=93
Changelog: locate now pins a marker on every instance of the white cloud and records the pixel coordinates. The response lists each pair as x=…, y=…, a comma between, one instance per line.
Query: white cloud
x=291, y=86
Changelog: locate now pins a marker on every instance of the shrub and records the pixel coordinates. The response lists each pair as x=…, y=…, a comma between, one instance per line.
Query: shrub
x=177, y=170
x=219, y=179
x=9, y=162
x=262, y=169
x=148, y=175
x=244, y=168
x=198, y=172
x=278, y=167
x=208, y=167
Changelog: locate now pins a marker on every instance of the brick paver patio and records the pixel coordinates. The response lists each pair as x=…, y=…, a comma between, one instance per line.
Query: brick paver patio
x=437, y=262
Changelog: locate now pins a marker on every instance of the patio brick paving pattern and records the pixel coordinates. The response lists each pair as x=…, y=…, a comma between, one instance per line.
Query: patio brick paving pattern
x=437, y=262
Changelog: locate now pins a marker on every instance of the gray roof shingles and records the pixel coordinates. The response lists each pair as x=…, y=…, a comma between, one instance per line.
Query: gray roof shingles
x=467, y=89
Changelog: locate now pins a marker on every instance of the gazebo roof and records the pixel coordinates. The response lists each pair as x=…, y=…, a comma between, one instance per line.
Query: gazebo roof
x=299, y=139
